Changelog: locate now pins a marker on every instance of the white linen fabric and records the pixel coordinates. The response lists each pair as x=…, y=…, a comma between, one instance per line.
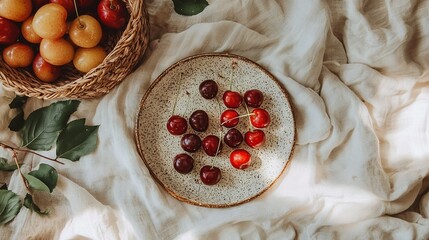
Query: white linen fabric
x=357, y=75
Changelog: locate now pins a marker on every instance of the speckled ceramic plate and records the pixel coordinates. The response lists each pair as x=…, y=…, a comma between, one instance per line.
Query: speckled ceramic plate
x=158, y=147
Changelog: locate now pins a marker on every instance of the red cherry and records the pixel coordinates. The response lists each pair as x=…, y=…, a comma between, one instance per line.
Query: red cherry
x=177, y=125
x=229, y=118
x=199, y=120
x=190, y=142
x=253, y=98
x=113, y=13
x=260, y=118
x=211, y=144
x=233, y=138
x=210, y=175
x=240, y=159
x=232, y=99
x=208, y=89
x=255, y=138
x=183, y=163
x=9, y=31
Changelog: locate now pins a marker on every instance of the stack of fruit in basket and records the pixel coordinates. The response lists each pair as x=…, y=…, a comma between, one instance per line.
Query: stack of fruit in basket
x=43, y=36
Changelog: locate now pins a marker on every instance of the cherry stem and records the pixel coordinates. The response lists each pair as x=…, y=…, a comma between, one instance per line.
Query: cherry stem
x=250, y=122
x=218, y=148
x=241, y=116
x=230, y=77
x=177, y=95
x=81, y=25
x=220, y=132
x=233, y=65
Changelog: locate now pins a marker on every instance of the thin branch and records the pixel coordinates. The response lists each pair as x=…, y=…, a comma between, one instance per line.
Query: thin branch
x=40, y=155
x=15, y=157
x=29, y=151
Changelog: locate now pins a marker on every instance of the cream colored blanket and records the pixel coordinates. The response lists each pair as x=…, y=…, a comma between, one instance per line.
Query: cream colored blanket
x=357, y=74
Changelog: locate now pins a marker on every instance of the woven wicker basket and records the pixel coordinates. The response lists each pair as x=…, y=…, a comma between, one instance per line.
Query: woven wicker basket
x=125, y=50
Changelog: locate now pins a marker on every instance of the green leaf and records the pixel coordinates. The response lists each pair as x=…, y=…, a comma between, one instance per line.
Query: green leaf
x=18, y=101
x=36, y=184
x=44, y=124
x=28, y=203
x=17, y=122
x=189, y=7
x=76, y=140
x=4, y=166
x=10, y=204
x=47, y=174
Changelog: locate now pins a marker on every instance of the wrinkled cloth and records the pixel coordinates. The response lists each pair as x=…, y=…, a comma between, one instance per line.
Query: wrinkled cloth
x=357, y=75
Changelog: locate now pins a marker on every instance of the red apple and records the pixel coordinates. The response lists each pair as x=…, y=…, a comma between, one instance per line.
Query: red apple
x=9, y=31
x=113, y=13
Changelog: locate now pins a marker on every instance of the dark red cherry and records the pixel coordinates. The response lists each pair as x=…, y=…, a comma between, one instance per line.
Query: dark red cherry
x=240, y=159
x=232, y=99
x=210, y=145
x=260, y=118
x=210, y=175
x=183, y=163
x=255, y=138
x=233, y=138
x=253, y=98
x=177, y=125
x=208, y=89
x=199, y=120
x=229, y=118
x=190, y=142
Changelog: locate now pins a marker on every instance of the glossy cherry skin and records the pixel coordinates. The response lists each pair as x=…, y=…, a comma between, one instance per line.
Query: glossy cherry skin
x=9, y=31
x=253, y=98
x=177, y=125
x=208, y=89
x=45, y=71
x=240, y=159
x=232, y=99
x=210, y=175
x=199, y=120
x=113, y=13
x=183, y=163
x=210, y=145
x=190, y=142
x=233, y=138
x=260, y=118
x=255, y=138
x=229, y=118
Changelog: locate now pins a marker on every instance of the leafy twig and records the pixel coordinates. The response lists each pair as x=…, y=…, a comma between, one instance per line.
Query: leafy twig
x=13, y=149
x=15, y=158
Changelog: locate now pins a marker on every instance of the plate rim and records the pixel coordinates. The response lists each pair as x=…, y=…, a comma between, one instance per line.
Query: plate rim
x=161, y=76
